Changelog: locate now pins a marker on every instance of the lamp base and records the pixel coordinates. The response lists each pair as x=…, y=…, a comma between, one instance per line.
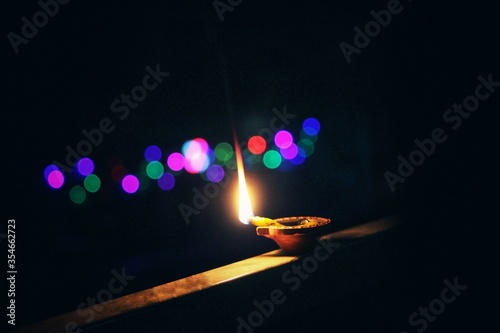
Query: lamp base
x=295, y=234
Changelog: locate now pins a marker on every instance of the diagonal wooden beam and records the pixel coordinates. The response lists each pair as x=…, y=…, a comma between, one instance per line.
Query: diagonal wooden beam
x=153, y=296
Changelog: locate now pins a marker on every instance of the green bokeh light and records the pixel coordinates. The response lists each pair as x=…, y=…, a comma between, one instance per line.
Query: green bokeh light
x=77, y=194
x=144, y=181
x=307, y=145
x=155, y=170
x=231, y=164
x=305, y=136
x=92, y=183
x=250, y=158
x=223, y=151
x=272, y=159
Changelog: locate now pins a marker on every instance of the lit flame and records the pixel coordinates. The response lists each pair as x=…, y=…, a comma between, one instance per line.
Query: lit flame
x=244, y=205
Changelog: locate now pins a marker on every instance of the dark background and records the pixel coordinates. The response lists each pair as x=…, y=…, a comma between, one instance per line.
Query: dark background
x=264, y=55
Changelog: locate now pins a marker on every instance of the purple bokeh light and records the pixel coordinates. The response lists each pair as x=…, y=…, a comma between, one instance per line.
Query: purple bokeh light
x=130, y=184
x=166, y=181
x=85, y=166
x=215, y=173
x=290, y=152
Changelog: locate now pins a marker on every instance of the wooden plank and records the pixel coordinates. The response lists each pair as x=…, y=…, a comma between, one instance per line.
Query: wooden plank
x=192, y=284
x=165, y=292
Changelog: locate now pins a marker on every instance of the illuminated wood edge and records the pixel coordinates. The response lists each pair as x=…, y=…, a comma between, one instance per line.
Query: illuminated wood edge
x=194, y=283
x=165, y=292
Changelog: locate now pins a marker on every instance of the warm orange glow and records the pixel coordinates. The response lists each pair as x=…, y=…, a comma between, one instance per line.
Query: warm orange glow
x=244, y=205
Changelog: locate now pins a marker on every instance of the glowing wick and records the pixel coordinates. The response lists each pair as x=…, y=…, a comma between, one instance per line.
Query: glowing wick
x=259, y=221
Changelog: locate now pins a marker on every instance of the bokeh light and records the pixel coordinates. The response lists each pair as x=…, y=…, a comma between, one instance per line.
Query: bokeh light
x=77, y=194
x=272, y=159
x=231, y=164
x=166, y=181
x=211, y=156
x=48, y=170
x=118, y=172
x=215, y=173
x=154, y=170
x=144, y=181
x=85, y=166
x=250, y=158
x=283, y=139
x=196, y=155
x=200, y=143
x=256, y=144
x=152, y=153
x=55, y=179
x=312, y=138
x=130, y=184
x=175, y=161
x=311, y=126
x=223, y=151
x=307, y=146
x=289, y=152
x=92, y=183
x=300, y=157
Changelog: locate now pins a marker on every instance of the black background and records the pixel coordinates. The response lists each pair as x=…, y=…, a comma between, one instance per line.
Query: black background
x=264, y=55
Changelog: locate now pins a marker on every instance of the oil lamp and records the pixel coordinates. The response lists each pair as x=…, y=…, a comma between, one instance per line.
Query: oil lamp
x=294, y=234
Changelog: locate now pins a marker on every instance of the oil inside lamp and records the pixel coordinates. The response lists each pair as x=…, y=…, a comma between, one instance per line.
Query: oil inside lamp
x=293, y=234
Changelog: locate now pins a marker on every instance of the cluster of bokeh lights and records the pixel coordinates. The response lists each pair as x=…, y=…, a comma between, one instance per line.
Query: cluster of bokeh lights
x=195, y=157
x=85, y=167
